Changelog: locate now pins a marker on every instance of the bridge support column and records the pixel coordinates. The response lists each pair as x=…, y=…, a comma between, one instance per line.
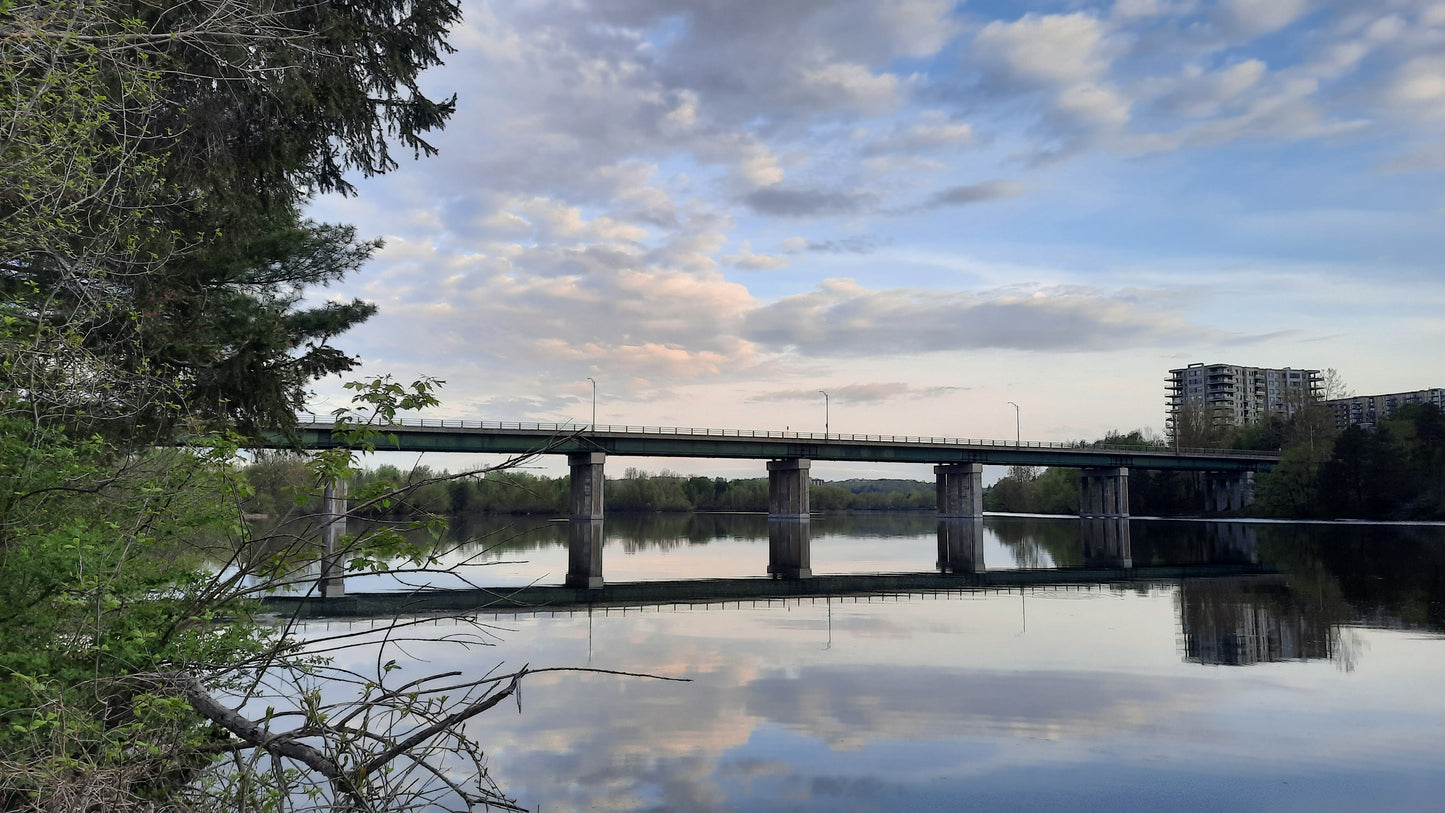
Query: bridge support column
x=332, y=583
x=1106, y=542
x=960, y=490
x=586, y=469
x=788, y=489
x=1231, y=543
x=790, y=543
x=584, y=553
x=960, y=545
x=1104, y=492
x=1227, y=490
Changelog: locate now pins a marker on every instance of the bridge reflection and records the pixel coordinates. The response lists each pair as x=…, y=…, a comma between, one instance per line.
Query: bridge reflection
x=1102, y=548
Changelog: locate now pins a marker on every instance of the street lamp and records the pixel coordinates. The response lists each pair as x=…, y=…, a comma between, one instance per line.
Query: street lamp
x=825, y=413
x=1018, y=431
x=593, y=427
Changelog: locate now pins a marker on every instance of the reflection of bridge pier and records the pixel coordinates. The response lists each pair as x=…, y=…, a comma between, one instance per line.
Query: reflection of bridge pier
x=960, y=545
x=584, y=526
x=1231, y=543
x=584, y=553
x=790, y=543
x=1106, y=542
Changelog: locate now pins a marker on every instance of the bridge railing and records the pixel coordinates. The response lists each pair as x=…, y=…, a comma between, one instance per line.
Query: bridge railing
x=315, y=421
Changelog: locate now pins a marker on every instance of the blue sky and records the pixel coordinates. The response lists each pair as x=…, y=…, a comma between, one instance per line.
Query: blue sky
x=928, y=209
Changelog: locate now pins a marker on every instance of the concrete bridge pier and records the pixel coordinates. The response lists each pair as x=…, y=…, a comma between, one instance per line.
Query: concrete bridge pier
x=332, y=583
x=960, y=490
x=1227, y=490
x=790, y=543
x=1106, y=542
x=1104, y=492
x=586, y=470
x=788, y=489
x=960, y=545
x=584, y=553
x=584, y=525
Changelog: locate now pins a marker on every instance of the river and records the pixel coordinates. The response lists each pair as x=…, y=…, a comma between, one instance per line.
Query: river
x=1310, y=677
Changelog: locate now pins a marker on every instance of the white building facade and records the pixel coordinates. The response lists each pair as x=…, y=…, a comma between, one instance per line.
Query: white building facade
x=1234, y=395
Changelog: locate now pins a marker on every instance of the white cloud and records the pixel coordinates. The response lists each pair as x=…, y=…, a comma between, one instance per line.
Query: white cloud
x=859, y=393
x=748, y=259
x=931, y=130
x=1047, y=50
x=1253, y=18
x=842, y=318
x=1417, y=88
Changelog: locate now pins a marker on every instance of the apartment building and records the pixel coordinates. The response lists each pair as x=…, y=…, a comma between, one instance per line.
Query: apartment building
x=1368, y=410
x=1234, y=395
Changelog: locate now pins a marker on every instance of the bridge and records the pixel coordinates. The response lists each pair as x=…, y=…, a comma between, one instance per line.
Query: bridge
x=957, y=464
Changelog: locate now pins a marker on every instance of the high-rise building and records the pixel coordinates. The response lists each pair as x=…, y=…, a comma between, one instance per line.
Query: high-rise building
x=1231, y=395
x=1368, y=410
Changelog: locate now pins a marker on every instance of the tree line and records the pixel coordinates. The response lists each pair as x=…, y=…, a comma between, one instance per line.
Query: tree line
x=1393, y=471
x=423, y=491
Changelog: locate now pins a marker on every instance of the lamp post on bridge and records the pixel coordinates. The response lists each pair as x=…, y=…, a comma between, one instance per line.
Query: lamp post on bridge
x=1018, y=425
x=825, y=413
x=593, y=426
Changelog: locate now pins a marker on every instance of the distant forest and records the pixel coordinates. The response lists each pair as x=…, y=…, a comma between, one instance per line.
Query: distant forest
x=277, y=478
x=1395, y=471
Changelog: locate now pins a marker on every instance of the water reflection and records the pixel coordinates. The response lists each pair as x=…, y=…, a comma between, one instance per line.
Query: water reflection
x=1110, y=697
x=1105, y=542
x=790, y=546
x=960, y=545
x=1230, y=622
x=584, y=553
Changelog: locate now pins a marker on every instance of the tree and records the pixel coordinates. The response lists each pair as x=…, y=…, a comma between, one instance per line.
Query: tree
x=154, y=160
x=136, y=673
x=1196, y=425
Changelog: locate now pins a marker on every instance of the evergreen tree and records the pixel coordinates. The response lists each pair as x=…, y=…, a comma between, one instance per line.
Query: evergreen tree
x=155, y=160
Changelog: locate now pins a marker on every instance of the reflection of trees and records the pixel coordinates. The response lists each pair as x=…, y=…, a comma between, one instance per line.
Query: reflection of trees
x=1030, y=539
x=1194, y=543
x=876, y=524
x=1389, y=576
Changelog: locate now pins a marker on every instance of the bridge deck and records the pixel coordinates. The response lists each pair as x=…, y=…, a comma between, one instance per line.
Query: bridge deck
x=437, y=435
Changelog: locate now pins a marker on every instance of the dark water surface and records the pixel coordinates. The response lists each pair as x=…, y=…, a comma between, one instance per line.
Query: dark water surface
x=1316, y=685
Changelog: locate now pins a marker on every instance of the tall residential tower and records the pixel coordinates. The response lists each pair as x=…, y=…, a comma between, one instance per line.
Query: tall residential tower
x=1231, y=395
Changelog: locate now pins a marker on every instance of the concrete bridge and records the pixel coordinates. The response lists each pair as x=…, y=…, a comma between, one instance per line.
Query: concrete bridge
x=957, y=464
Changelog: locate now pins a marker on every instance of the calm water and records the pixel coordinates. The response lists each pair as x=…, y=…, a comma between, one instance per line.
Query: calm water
x=1319, y=687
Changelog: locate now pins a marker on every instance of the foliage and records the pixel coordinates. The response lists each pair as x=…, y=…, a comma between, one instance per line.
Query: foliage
x=154, y=158
x=1396, y=471
x=128, y=583
x=1025, y=490
x=429, y=492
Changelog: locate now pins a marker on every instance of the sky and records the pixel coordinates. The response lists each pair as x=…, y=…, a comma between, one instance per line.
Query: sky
x=720, y=209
